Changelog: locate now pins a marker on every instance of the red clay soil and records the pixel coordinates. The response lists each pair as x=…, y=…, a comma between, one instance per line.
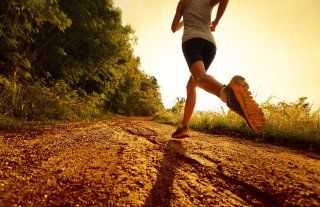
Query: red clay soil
x=134, y=162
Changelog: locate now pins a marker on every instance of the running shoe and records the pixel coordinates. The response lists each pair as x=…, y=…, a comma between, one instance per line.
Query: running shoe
x=239, y=100
x=181, y=132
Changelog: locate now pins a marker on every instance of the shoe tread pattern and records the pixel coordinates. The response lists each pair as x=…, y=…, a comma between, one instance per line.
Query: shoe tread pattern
x=240, y=101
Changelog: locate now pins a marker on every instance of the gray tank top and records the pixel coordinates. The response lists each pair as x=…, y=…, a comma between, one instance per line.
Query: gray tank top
x=197, y=20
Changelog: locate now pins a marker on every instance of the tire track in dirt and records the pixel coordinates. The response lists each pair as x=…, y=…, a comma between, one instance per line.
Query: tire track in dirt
x=134, y=162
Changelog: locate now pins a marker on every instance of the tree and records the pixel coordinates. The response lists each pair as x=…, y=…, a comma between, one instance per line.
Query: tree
x=81, y=43
x=20, y=21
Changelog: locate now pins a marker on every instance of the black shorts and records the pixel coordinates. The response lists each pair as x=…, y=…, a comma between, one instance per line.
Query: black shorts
x=199, y=49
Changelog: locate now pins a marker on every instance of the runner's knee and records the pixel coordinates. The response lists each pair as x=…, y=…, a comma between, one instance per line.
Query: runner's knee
x=191, y=85
x=199, y=78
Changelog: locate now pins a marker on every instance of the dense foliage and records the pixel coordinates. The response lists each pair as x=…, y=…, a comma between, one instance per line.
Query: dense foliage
x=81, y=46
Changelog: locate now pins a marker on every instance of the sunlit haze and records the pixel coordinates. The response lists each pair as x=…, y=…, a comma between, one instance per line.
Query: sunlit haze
x=273, y=44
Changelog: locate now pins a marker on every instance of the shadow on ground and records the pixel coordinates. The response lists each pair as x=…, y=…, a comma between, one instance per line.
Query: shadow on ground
x=161, y=193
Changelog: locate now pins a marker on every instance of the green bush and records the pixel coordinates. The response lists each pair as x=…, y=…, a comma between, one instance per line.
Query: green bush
x=21, y=104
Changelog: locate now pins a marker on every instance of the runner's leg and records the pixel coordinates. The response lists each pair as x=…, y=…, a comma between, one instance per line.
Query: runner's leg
x=204, y=81
x=190, y=101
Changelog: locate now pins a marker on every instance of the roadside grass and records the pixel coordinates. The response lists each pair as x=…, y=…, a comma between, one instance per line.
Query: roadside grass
x=294, y=124
x=23, y=105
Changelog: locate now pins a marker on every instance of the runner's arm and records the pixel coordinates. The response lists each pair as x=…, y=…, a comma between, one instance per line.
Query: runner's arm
x=176, y=23
x=212, y=3
x=221, y=8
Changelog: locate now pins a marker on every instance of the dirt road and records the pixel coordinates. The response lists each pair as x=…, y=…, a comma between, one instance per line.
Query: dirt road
x=134, y=162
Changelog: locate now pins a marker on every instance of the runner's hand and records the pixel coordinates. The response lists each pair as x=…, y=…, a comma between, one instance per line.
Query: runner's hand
x=213, y=26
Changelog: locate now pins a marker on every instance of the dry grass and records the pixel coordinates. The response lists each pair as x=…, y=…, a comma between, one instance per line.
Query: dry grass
x=294, y=123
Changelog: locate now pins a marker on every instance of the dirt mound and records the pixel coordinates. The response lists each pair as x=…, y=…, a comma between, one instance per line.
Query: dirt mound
x=134, y=162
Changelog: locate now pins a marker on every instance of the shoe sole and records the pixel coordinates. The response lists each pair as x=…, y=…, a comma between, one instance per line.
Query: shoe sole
x=252, y=112
x=181, y=135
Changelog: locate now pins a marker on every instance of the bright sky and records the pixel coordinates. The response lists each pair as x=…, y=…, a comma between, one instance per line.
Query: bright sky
x=273, y=44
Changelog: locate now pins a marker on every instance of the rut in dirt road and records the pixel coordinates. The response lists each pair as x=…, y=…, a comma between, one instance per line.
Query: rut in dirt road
x=134, y=162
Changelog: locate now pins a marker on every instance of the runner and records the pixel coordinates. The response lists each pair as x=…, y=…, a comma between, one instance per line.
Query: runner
x=199, y=49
